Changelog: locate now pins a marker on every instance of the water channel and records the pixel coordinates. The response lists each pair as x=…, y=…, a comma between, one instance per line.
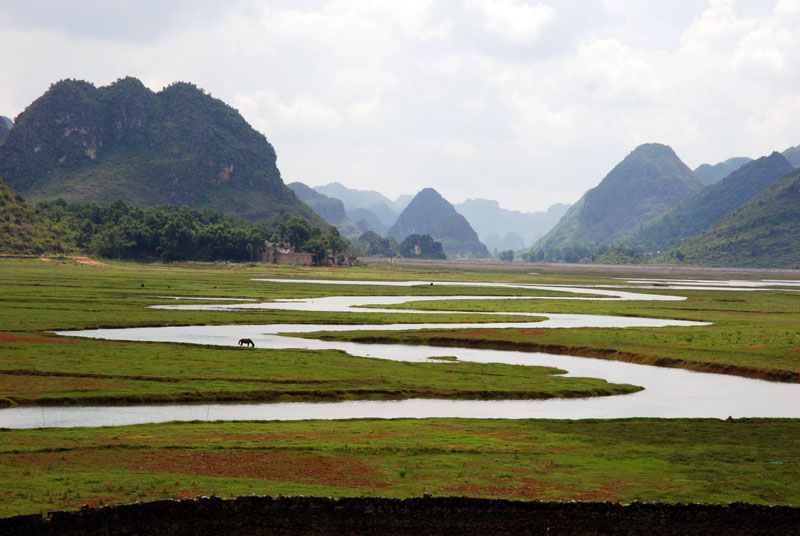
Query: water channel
x=668, y=393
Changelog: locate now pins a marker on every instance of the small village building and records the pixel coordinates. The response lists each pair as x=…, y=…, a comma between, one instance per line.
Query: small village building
x=285, y=254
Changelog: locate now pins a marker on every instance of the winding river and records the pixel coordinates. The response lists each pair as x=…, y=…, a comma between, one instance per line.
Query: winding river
x=668, y=392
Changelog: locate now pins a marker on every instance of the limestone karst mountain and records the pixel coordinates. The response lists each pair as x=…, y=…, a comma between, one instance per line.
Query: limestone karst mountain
x=647, y=183
x=429, y=213
x=122, y=141
x=698, y=213
x=763, y=232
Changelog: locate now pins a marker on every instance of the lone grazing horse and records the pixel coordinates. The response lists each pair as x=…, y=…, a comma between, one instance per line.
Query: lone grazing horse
x=247, y=342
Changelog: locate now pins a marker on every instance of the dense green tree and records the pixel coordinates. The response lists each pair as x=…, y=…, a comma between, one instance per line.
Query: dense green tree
x=297, y=232
x=336, y=243
x=318, y=245
x=371, y=243
x=421, y=247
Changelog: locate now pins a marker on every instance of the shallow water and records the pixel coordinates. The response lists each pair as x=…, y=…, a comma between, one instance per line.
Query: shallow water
x=668, y=392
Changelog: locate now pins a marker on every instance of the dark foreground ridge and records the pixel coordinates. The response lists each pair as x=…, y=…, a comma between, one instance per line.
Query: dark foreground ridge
x=257, y=516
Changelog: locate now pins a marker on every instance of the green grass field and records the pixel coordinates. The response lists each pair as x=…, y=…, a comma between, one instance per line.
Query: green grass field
x=617, y=460
x=40, y=368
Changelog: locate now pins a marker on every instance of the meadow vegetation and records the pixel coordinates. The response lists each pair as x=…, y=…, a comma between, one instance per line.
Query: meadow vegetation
x=689, y=460
x=41, y=368
x=699, y=460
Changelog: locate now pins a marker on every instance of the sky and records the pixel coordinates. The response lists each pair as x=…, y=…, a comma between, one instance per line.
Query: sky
x=529, y=103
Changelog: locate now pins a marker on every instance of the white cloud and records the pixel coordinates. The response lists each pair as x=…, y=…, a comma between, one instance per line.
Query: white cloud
x=446, y=147
x=477, y=98
x=516, y=21
x=301, y=111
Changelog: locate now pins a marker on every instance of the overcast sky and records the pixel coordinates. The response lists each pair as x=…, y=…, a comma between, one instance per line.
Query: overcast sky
x=529, y=103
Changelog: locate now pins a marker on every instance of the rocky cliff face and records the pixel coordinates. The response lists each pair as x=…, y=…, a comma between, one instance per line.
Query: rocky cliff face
x=123, y=141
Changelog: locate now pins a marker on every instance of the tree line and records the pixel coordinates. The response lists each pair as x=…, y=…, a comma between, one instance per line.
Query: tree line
x=415, y=246
x=172, y=233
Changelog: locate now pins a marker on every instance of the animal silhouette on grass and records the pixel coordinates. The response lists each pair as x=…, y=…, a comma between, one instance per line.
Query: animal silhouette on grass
x=247, y=342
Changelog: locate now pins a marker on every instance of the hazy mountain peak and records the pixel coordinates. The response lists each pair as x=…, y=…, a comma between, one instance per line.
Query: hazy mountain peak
x=649, y=181
x=709, y=174
x=502, y=229
x=430, y=213
x=792, y=154
x=328, y=208
x=696, y=214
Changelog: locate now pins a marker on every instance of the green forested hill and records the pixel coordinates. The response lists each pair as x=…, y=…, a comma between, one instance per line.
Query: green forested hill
x=763, y=233
x=165, y=232
x=647, y=183
x=24, y=230
x=178, y=146
x=698, y=213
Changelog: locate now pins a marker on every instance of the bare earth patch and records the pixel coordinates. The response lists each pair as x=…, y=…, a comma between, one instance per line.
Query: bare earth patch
x=89, y=262
x=271, y=465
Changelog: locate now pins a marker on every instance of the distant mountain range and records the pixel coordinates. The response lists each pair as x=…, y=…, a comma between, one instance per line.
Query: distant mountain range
x=763, y=232
x=647, y=183
x=698, y=213
x=369, y=205
x=329, y=209
x=501, y=229
x=429, y=213
x=709, y=174
x=179, y=146
x=792, y=154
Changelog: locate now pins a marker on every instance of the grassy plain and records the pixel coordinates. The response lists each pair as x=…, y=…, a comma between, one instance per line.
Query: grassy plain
x=39, y=368
x=619, y=460
x=613, y=460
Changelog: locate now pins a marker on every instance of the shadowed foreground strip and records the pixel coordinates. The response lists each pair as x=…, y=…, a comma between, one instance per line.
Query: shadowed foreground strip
x=421, y=516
